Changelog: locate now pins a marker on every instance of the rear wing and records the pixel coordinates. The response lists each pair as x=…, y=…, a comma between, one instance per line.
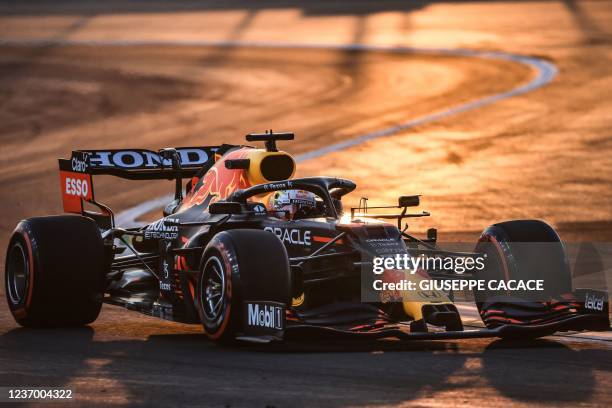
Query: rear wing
x=135, y=164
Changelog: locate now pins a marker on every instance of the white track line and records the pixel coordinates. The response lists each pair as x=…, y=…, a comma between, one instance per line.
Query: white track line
x=545, y=72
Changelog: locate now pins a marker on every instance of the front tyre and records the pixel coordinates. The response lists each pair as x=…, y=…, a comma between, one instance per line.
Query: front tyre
x=236, y=265
x=521, y=250
x=54, y=271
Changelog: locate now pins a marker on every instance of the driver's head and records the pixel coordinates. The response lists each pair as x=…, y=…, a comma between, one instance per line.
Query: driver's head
x=293, y=204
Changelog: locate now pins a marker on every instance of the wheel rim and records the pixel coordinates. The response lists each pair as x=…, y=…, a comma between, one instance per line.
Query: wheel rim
x=17, y=274
x=212, y=297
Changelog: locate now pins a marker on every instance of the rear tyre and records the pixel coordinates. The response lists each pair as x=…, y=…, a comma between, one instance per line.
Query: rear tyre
x=237, y=264
x=54, y=271
x=505, y=261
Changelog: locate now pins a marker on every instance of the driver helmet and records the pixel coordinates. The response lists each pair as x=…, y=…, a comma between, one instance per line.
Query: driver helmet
x=293, y=204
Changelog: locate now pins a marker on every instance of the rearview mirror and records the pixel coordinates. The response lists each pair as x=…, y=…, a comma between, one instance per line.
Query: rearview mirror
x=409, y=201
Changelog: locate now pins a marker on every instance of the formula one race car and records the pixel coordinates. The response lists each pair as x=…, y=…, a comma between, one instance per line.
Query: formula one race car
x=254, y=254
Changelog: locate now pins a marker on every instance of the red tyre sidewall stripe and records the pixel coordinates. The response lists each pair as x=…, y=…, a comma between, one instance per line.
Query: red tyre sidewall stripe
x=30, y=270
x=22, y=312
x=228, y=305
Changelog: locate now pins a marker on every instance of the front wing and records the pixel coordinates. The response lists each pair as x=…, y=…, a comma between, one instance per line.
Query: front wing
x=584, y=310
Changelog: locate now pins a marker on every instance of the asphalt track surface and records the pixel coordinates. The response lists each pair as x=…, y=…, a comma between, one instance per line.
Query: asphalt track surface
x=128, y=359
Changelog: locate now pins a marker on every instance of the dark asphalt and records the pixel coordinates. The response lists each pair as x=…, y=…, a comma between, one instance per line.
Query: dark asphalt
x=127, y=358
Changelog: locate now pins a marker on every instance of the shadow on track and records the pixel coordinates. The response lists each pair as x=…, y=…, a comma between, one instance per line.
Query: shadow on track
x=549, y=372
x=183, y=368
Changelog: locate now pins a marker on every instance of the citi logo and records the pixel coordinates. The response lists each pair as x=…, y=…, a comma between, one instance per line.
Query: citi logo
x=593, y=302
x=266, y=316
